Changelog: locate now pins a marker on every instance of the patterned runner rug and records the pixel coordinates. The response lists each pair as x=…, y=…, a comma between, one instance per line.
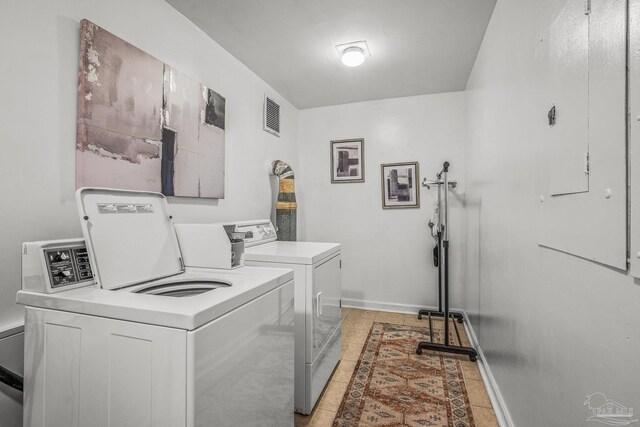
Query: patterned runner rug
x=393, y=386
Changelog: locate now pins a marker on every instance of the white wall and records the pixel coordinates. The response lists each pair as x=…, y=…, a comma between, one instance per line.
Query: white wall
x=386, y=253
x=554, y=327
x=39, y=49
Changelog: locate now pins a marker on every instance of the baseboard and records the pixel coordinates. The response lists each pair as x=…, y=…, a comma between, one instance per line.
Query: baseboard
x=499, y=406
x=386, y=306
x=9, y=330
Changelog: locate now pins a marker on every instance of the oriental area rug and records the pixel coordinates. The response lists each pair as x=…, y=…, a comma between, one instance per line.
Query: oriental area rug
x=393, y=386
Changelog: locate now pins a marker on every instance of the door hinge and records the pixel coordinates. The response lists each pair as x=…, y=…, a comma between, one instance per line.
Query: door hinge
x=587, y=7
x=587, y=163
x=340, y=263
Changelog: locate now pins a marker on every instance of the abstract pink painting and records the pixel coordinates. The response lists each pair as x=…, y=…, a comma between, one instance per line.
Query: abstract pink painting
x=143, y=125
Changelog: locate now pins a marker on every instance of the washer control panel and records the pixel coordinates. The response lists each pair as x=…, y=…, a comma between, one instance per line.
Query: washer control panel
x=55, y=265
x=67, y=266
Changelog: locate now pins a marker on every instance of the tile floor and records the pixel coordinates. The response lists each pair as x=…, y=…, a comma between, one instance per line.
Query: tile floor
x=355, y=330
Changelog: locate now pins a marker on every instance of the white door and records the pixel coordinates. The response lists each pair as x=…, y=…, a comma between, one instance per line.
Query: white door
x=327, y=291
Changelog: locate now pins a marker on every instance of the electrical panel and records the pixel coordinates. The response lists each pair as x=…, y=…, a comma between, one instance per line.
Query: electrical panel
x=569, y=91
x=634, y=134
x=582, y=191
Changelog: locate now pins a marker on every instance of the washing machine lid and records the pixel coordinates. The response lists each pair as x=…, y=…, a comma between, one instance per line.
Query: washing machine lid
x=129, y=235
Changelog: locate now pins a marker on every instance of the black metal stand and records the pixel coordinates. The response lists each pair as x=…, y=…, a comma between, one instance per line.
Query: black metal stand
x=443, y=276
x=425, y=312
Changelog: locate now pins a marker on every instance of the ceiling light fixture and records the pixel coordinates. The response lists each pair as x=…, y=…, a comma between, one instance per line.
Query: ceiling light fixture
x=354, y=53
x=352, y=56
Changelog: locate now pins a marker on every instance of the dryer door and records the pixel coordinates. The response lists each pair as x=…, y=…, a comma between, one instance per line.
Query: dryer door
x=327, y=291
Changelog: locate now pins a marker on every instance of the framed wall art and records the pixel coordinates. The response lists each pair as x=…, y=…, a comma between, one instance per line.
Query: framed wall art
x=400, y=185
x=347, y=160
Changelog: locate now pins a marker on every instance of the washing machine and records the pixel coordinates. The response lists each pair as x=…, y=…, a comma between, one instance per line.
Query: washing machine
x=119, y=333
x=318, y=293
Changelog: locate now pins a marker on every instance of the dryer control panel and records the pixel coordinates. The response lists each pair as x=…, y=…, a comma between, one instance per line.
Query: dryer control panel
x=55, y=265
x=257, y=232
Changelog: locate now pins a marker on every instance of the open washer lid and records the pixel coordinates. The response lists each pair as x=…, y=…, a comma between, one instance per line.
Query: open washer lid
x=129, y=235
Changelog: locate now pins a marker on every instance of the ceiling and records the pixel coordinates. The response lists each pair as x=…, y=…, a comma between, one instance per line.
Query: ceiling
x=417, y=46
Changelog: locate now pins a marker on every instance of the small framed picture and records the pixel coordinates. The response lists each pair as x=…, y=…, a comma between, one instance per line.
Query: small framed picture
x=347, y=160
x=400, y=185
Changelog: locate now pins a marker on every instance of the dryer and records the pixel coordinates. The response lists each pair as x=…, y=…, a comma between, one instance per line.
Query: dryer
x=318, y=292
x=119, y=332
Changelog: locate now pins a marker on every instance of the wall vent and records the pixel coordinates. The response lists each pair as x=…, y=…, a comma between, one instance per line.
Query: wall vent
x=271, y=116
